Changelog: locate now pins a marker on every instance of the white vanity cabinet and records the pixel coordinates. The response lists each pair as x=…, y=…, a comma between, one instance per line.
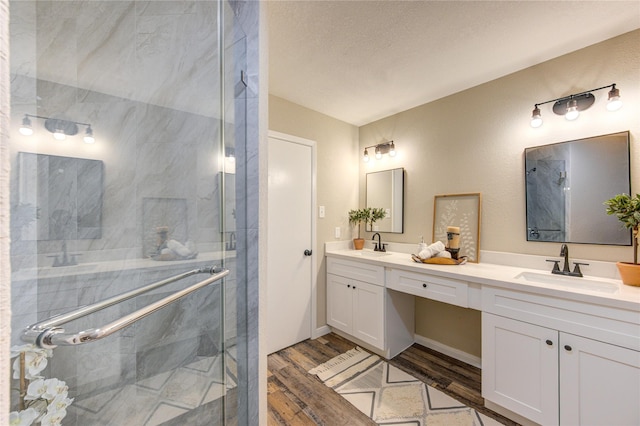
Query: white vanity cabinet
x=356, y=307
x=551, y=376
x=355, y=299
x=359, y=305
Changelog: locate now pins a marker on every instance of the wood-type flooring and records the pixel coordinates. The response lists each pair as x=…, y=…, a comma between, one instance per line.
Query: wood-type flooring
x=296, y=397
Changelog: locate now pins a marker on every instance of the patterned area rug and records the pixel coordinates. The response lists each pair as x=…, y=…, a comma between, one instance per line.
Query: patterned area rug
x=388, y=395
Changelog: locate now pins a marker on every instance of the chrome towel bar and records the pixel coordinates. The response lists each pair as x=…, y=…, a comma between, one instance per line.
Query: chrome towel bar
x=48, y=333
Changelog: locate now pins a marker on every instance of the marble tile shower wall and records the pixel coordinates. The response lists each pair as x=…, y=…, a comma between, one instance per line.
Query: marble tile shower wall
x=145, y=74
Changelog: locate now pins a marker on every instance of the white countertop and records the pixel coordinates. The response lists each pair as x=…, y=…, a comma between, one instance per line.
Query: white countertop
x=92, y=268
x=624, y=296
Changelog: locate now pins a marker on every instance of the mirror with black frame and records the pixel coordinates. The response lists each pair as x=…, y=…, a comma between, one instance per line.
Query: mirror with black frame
x=567, y=184
x=385, y=189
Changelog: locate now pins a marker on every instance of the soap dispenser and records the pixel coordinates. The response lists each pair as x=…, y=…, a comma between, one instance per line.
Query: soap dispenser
x=422, y=245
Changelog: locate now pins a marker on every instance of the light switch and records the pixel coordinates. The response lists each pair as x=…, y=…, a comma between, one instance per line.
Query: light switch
x=321, y=211
x=337, y=233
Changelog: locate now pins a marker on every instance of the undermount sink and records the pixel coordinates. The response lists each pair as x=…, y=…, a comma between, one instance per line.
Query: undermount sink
x=571, y=282
x=371, y=253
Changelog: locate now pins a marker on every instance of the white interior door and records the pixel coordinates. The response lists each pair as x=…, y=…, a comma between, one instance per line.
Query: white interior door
x=290, y=241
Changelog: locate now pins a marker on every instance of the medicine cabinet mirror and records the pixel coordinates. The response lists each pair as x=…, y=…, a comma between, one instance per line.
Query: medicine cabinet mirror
x=385, y=189
x=59, y=198
x=567, y=184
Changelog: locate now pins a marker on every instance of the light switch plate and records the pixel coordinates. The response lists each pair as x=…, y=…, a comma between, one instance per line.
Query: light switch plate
x=337, y=232
x=321, y=211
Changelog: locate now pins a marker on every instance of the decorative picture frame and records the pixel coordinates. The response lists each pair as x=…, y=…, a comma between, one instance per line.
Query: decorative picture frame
x=461, y=210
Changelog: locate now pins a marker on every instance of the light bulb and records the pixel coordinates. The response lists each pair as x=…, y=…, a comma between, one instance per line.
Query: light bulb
x=572, y=110
x=614, y=103
x=59, y=135
x=88, y=137
x=378, y=153
x=536, y=118
x=392, y=150
x=26, y=128
x=365, y=158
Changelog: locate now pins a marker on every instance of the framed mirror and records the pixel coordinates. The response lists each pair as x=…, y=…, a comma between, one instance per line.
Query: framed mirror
x=567, y=184
x=385, y=189
x=64, y=196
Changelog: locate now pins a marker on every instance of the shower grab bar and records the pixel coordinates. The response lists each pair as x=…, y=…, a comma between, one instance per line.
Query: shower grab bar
x=47, y=334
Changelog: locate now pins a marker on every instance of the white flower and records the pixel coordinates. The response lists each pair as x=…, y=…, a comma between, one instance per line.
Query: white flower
x=53, y=388
x=34, y=363
x=23, y=418
x=17, y=350
x=53, y=418
x=29, y=347
x=60, y=402
x=36, y=389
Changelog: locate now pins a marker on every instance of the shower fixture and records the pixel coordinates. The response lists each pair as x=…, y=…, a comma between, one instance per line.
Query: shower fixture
x=571, y=106
x=59, y=127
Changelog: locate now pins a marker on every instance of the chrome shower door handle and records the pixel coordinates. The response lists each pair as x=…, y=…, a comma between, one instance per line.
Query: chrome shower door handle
x=48, y=334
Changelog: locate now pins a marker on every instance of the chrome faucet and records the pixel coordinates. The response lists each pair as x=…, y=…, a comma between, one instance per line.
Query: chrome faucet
x=378, y=246
x=564, y=251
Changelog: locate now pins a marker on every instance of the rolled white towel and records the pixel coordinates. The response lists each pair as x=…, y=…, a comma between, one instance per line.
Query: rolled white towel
x=431, y=250
x=178, y=248
x=444, y=254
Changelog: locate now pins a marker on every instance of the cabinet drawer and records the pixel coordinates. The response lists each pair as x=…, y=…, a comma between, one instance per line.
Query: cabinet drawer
x=446, y=290
x=361, y=271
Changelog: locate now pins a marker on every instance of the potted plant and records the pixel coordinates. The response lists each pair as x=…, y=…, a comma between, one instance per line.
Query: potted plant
x=375, y=214
x=627, y=210
x=368, y=216
x=358, y=217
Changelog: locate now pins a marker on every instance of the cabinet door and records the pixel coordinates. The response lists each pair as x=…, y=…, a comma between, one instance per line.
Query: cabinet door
x=520, y=368
x=368, y=313
x=339, y=303
x=599, y=383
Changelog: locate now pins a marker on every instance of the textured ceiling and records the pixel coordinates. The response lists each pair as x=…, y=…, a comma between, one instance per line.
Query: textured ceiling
x=359, y=61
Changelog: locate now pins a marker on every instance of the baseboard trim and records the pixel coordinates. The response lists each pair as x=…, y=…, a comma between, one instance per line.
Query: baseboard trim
x=320, y=331
x=448, y=350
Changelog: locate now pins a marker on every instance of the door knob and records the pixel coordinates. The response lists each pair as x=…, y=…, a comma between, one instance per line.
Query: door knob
x=307, y=252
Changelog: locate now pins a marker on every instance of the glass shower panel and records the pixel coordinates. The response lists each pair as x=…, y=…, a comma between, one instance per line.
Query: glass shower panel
x=150, y=198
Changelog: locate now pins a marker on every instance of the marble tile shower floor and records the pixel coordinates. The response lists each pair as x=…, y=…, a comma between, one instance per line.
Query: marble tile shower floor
x=160, y=398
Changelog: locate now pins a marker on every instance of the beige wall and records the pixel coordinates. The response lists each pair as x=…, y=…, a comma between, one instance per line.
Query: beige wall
x=337, y=177
x=472, y=141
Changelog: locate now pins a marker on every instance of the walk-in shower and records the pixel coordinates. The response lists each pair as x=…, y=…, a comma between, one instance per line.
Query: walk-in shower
x=128, y=127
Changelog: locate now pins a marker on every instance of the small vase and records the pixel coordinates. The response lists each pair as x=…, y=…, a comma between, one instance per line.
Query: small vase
x=358, y=243
x=629, y=273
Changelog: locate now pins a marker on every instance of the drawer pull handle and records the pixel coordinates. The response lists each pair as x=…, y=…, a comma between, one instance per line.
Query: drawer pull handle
x=549, y=342
x=348, y=285
x=568, y=348
x=424, y=285
x=354, y=287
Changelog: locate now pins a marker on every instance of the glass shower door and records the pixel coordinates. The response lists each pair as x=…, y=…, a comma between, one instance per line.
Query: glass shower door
x=123, y=127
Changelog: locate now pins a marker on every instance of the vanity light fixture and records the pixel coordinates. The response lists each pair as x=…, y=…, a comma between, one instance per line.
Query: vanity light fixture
x=570, y=106
x=60, y=128
x=379, y=150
